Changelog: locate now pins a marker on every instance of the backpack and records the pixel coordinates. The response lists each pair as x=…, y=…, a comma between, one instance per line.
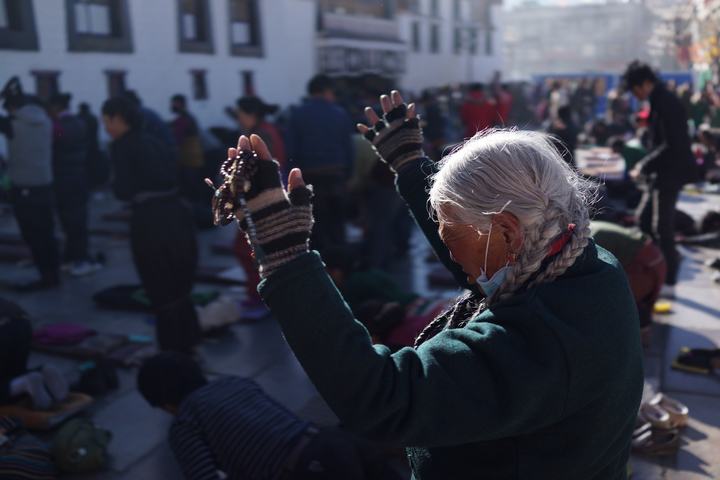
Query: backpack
x=22, y=456
x=80, y=445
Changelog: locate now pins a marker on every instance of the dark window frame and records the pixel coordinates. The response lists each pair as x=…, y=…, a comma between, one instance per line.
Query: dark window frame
x=205, y=45
x=197, y=93
x=435, y=34
x=38, y=74
x=21, y=34
x=256, y=49
x=119, y=42
x=109, y=74
x=416, y=36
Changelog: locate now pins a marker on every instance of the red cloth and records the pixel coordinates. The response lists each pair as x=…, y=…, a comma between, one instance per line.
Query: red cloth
x=476, y=113
x=408, y=330
x=62, y=334
x=503, y=109
x=278, y=147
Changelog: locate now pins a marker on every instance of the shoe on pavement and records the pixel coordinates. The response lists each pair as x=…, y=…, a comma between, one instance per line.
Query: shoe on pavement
x=81, y=269
x=693, y=363
x=678, y=412
x=667, y=291
x=652, y=443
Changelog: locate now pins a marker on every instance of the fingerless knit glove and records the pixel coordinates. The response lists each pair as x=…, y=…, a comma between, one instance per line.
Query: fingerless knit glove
x=280, y=221
x=397, y=139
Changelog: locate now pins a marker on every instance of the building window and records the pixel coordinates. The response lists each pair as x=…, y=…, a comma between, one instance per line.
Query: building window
x=116, y=82
x=473, y=47
x=17, y=25
x=46, y=83
x=434, y=11
x=457, y=41
x=248, y=83
x=416, y=36
x=194, y=32
x=98, y=26
x=199, y=84
x=434, y=38
x=245, y=37
x=488, y=43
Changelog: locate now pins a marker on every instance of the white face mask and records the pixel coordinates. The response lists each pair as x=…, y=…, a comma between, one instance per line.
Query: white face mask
x=489, y=286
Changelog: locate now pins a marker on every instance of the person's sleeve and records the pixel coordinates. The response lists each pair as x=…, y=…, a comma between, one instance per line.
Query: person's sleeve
x=192, y=453
x=291, y=157
x=122, y=182
x=413, y=185
x=481, y=382
x=349, y=146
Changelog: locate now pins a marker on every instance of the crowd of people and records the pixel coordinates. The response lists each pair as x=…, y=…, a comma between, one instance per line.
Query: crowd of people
x=405, y=374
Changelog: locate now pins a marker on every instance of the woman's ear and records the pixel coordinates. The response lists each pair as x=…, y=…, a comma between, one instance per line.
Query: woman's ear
x=513, y=233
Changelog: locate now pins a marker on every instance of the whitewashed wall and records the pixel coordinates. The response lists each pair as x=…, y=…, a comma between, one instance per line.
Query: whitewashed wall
x=156, y=69
x=427, y=70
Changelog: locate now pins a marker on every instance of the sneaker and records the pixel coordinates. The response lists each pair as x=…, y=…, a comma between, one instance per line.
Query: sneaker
x=667, y=291
x=83, y=268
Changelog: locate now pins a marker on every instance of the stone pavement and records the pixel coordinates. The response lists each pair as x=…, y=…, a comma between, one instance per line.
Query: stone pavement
x=139, y=449
x=694, y=321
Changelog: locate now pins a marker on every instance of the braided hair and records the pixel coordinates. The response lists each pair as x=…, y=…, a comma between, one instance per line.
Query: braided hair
x=521, y=173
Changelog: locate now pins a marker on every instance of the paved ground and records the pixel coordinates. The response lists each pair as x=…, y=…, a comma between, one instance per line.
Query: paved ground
x=139, y=450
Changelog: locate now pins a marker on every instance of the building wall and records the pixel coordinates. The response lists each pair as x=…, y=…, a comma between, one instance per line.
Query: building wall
x=426, y=69
x=578, y=39
x=156, y=69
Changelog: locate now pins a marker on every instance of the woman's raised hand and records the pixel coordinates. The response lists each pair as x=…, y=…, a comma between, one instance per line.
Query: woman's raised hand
x=397, y=136
x=280, y=223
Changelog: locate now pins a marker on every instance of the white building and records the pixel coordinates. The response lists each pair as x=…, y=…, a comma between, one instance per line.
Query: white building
x=214, y=51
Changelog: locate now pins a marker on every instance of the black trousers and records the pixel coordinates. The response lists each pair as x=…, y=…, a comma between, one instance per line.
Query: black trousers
x=165, y=253
x=33, y=207
x=15, y=339
x=74, y=222
x=328, y=210
x=656, y=217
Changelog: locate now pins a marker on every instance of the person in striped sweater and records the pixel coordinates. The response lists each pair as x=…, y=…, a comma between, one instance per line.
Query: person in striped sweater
x=230, y=428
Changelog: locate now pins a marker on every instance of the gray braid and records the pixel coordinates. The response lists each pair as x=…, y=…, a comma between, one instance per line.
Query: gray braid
x=521, y=173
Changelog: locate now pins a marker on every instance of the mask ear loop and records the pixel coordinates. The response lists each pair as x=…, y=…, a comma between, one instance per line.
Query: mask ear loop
x=487, y=245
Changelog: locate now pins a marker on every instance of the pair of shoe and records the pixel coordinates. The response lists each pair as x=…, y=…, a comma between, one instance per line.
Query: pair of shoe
x=697, y=360
x=80, y=269
x=648, y=440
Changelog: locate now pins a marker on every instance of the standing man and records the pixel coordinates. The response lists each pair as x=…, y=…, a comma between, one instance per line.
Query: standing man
x=72, y=183
x=29, y=166
x=477, y=111
x=190, y=155
x=319, y=141
x=668, y=166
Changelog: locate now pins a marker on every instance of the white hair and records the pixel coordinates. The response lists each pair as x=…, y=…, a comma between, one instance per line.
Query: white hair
x=521, y=173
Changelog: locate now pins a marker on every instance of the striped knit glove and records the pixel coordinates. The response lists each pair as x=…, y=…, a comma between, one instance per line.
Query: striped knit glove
x=280, y=223
x=397, y=139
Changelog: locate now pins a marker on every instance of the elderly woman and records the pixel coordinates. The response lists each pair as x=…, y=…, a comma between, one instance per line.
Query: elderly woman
x=537, y=373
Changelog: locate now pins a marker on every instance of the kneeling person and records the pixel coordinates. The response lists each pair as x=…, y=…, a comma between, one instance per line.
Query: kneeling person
x=230, y=428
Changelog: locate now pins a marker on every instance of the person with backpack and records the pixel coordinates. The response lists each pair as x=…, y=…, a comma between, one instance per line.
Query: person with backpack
x=28, y=130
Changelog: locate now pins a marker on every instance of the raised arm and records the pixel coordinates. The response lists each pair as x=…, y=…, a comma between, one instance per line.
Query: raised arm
x=397, y=138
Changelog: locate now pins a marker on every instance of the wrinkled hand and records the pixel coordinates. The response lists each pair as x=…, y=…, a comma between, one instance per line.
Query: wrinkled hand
x=397, y=137
x=281, y=221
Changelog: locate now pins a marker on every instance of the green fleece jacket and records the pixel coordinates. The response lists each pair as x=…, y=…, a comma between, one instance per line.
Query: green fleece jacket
x=544, y=385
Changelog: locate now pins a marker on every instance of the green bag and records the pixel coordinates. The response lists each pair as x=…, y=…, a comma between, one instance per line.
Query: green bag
x=80, y=445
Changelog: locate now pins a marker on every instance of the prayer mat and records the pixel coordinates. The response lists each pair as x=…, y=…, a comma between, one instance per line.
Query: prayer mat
x=93, y=347
x=58, y=412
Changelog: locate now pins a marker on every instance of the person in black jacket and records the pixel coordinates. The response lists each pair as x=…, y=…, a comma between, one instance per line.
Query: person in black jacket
x=162, y=233
x=668, y=166
x=72, y=185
